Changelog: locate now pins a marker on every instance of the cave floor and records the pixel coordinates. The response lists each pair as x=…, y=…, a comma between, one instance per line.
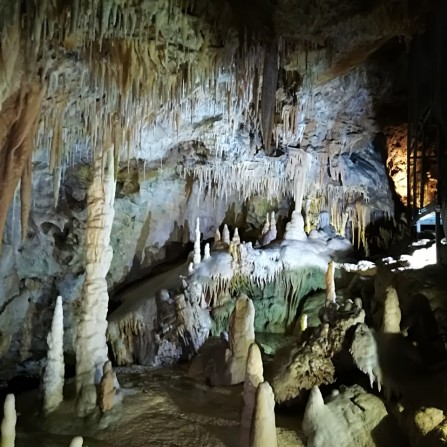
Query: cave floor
x=161, y=407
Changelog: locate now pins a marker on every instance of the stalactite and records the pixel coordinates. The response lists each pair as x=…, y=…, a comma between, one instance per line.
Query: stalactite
x=16, y=153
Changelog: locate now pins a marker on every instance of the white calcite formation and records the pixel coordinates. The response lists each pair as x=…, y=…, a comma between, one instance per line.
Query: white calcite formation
x=364, y=353
x=253, y=377
x=226, y=236
x=349, y=418
x=53, y=379
x=330, y=284
x=197, y=254
x=241, y=337
x=9, y=421
x=264, y=427
x=391, y=312
x=78, y=441
x=206, y=252
x=91, y=344
x=295, y=228
x=271, y=234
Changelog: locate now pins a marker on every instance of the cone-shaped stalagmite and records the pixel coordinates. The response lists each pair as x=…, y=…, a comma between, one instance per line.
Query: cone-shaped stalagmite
x=263, y=431
x=77, y=442
x=53, y=379
x=253, y=377
x=9, y=422
x=391, y=312
x=330, y=284
x=242, y=335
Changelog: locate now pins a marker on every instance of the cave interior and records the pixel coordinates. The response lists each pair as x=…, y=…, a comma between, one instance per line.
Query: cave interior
x=222, y=223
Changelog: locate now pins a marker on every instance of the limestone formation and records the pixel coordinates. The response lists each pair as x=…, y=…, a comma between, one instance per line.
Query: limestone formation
x=264, y=426
x=197, y=255
x=78, y=441
x=330, y=284
x=303, y=322
x=236, y=238
x=308, y=362
x=107, y=388
x=295, y=228
x=91, y=344
x=206, y=253
x=253, y=377
x=349, y=418
x=364, y=353
x=266, y=226
x=226, y=236
x=53, y=379
x=391, y=312
x=241, y=336
x=9, y=421
x=271, y=233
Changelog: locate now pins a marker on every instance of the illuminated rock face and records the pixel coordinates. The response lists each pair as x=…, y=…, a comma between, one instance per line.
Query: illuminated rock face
x=202, y=156
x=351, y=416
x=91, y=345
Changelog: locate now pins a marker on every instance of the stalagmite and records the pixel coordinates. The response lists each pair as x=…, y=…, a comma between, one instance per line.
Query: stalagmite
x=271, y=234
x=391, y=312
x=330, y=284
x=266, y=227
x=53, y=379
x=9, y=421
x=107, y=388
x=226, y=236
x=91, y=345
x=197, y=255
x=314, y=411
x=241, y=336
x=253, y=377
x=77, y=442
x=295, y=228
x=191, y=268
x=264, y=427
x=236, y=239
x=206, y=254
x=303, y=323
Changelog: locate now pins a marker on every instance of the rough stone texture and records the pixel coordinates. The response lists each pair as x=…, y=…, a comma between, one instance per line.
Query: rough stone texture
x=334, y=122
x=308, y=363
x=264, y=427
x=253, y=377
x=352, y=417
x=241, y=337
x=365, y=353
x=91, y=343
x=156, y=329
x=107, y=389
x=53, y=379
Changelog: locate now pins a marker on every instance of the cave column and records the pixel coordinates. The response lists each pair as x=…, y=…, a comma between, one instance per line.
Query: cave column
x=91, y=346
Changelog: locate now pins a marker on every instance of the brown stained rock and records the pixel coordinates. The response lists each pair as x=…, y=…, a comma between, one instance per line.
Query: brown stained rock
x=107, y=389
x=308, y=363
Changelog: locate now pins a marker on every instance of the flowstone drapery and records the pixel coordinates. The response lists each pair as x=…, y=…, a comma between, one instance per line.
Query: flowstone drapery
x=91, y=346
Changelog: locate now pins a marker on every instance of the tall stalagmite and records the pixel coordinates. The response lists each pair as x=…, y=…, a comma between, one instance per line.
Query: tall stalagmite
x=91, y=347
x=9, y=422
x=253, y=377
x=264, y=426
x=53, y=379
